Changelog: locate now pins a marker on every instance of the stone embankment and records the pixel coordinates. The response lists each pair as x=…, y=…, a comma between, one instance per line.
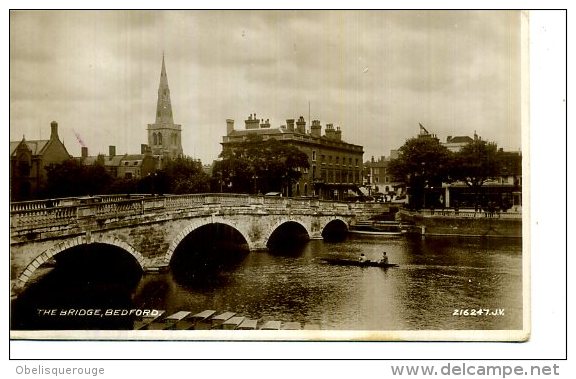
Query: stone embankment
x=463, y=223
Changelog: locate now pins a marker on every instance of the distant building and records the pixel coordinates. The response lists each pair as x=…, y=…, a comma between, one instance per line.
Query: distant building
x=126, y=166
x=454, y=144
x=379, y=180
x=29, y=160
x=164, y=136
x=425, y=134
x=335, y=165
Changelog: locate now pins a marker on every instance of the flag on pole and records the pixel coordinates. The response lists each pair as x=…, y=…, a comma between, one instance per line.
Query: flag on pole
x=423, y=129
x=79, y=138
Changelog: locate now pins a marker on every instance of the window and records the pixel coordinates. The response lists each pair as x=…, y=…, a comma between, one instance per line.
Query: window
x=313, y=155
x=155, y=139
x=356, y=161
x=159, y=139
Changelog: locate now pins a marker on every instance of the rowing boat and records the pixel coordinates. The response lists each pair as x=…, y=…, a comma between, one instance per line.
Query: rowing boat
x=354, y=262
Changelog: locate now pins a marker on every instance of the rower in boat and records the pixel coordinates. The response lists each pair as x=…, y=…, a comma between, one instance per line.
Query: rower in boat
x=362, y=258
x=384, y=259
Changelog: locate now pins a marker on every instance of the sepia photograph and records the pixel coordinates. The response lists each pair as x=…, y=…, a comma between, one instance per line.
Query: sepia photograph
x=269, y=175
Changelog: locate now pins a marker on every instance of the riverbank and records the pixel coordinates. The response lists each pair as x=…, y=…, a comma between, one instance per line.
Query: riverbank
x=462, y=223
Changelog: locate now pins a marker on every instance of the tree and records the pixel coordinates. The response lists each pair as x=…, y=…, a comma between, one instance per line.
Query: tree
x=257, y=166
x=422, y=163
x=179, y=176
x=476, y=163
x=72, y=178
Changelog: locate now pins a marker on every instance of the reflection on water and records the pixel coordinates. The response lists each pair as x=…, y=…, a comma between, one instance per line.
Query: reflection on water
x=436, y=277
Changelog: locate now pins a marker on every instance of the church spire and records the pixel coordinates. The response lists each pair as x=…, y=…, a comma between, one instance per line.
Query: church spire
x=164, y=106
x=164, y=136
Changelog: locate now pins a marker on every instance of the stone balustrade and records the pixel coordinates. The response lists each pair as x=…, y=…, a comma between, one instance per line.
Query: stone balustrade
x=30, y=214
x=468, y=214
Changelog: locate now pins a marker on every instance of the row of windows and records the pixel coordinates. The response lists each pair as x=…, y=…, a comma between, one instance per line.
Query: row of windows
x=376, y=171
x=377, y=179
x=336, y=159
x=337, y=176
x=157, y=139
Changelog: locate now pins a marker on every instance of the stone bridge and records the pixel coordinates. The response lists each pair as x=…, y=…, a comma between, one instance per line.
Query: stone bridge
x=150, y=228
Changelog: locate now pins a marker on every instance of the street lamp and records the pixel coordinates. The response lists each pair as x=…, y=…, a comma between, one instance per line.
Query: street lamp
x=255, y=179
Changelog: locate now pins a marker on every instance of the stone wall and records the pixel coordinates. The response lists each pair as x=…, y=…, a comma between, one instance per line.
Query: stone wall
x=463, y=225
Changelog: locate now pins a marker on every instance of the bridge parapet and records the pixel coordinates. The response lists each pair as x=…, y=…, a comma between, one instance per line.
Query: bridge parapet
x=34, y=214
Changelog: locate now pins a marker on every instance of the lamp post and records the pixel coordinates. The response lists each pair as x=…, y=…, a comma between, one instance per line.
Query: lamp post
x=255, y=179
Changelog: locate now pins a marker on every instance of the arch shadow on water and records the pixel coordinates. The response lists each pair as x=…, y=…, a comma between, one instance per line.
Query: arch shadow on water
x=288, y=239
x=207, y=255
x=335, y=231
x=84, y=277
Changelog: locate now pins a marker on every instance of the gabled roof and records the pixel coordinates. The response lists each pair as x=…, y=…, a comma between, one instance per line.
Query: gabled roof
x=134, y=157
x=108, y=161
x=36, y=146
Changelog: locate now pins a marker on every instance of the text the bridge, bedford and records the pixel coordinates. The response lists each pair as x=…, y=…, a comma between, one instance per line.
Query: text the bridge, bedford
x=150, y=228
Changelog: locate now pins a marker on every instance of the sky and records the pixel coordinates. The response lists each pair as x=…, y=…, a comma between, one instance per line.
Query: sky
x=376, y=74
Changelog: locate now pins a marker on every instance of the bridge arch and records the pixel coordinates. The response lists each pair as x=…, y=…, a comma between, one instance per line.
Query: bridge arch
x=62, y=246
x=334, y=229
x=198, y=223
x=332, y=219
x=281, y=222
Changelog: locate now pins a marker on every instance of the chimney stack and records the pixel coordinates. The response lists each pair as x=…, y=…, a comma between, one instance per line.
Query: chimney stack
x=316, y=128
x=84, y=152
x=53, y=130
x=265, y=125
x=338, y=134
x=290, y=124
x=112, y=151
x=301, y=125
x=229, y=126
x=252, y=122
x=329, y=133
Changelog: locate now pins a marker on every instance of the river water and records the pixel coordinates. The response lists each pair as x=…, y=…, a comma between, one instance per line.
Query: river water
x=439, y=285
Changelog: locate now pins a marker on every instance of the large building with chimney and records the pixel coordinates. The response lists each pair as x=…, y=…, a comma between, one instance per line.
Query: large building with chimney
x=29, y=160
x=164, y=136
x=335, y=165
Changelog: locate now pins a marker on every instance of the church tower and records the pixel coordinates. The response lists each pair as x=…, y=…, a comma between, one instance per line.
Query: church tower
x=164, y=136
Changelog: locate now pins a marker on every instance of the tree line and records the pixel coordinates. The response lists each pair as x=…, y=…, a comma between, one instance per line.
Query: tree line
x=73, y=178
x=254, y=166
x=424, y=163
